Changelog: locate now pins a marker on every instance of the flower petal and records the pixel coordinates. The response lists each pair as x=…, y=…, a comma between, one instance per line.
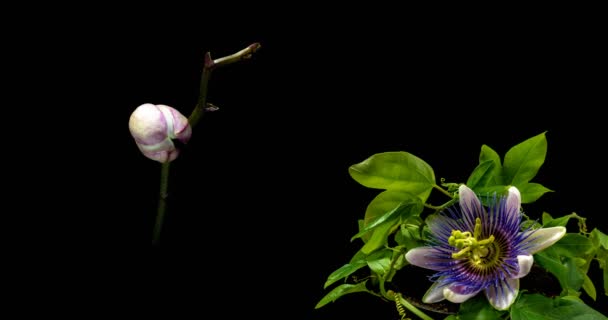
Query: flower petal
x=539, y=239
x=427, y=257
x=470, y=206
x=502, y=296
x=513, y=204
x=459, y=294
x=441, y=226
x=525, y=264
x=434, y=293
x=180, y=128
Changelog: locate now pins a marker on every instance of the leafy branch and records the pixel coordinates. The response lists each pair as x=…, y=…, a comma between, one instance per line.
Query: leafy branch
x=394, y=223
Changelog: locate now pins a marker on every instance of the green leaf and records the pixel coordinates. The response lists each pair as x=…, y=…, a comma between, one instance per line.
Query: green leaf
x=530, y=192
x=605, y=276
x=478, y=308
x=549, y=221
x=599, y=238
x=539, y=307
x=566, y=272
x=343, y=272
x=487, y=154
x=385, y=202
x=341, y=290
x=395, y=171
x=546, y=218
x=360, y=226
x=400, y=261
x=523, y=161
x=380, y=261
x=573, y=245
x=358, y=256
x=572, y=309
x=574, y=276
x=409, y=235
x=482, y=175
x=602, y=259
x=407, y=208
x=589, y=287
x=380, y=235
x=531, y=307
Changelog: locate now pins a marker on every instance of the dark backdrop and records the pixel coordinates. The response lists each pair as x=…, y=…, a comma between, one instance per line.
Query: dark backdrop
x=261, y=206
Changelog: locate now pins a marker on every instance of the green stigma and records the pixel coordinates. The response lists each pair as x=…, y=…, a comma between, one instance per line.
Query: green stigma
x=471, y=247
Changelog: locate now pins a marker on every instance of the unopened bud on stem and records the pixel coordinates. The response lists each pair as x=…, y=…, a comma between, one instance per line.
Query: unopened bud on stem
x=154, y=127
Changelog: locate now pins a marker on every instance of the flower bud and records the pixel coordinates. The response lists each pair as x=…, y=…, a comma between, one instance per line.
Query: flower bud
x=154, y=127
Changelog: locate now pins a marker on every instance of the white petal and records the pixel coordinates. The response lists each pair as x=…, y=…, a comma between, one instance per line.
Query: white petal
x=434, y=294
x=503, y=296
x=543, y=238
x=425, y=257
x=470, y=205
x=513, y=203
x=451, y=294
x=525, y=264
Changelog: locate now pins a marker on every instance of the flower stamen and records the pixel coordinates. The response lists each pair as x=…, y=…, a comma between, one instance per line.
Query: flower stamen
x=470, y=246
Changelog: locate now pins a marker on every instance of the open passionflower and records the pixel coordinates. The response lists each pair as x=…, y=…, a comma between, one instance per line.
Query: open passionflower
x=475, y=248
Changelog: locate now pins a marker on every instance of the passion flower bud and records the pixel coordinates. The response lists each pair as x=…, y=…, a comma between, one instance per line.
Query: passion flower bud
x=154, y=127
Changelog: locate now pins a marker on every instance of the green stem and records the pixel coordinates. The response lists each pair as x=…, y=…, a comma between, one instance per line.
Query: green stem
x=430, y=206
x=413, y=309
x=441, y=207
x=387, y=274
x=199, y=109
x=235, y=57
x=193, y=120
x=162, y=201
x=442, y=190
x=208, y=67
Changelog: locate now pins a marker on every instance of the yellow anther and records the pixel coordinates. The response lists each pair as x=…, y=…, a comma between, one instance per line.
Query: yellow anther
x=486, y=241
x=464, y=253
x=470, y=247
x=477, y=232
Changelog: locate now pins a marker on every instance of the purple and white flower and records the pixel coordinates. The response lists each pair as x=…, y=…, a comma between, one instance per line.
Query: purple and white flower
x=476, y=248
x=154, y=127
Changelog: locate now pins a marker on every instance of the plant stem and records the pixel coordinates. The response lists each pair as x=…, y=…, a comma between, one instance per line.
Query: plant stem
x=162, y=201
x=441, y=207
x=208, y=67
x=413, y=309
x=443, y=191
x=430, y=206
x=199, y=109
x=193, y=120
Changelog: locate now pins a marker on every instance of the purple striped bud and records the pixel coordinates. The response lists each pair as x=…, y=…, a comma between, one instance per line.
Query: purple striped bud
x=154, y=127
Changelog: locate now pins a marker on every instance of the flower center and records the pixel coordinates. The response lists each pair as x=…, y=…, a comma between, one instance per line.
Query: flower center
x=471, y=246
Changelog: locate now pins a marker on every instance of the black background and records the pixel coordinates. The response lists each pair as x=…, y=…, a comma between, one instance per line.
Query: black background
x=261, y=207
